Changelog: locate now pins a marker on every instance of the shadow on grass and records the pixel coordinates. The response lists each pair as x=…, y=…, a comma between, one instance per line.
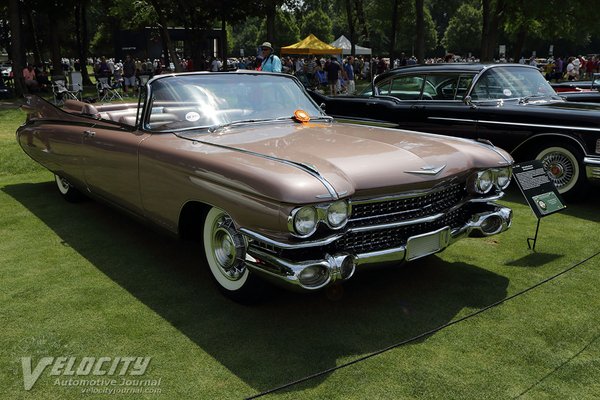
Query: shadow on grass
x=534, y=260
x=288, y=336
x=584, y=207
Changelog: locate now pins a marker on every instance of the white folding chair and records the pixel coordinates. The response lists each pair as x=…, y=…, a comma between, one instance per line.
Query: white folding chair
x=76, y=83
x=61, y=91
x=106, y=92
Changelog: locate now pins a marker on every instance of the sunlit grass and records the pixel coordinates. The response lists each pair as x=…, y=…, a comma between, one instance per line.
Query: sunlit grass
x=84, y=280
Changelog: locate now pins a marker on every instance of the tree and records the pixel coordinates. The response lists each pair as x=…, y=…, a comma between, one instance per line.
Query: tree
x=318, y=23
x=464, y=30
x=420, y=45
x=17, y=52
x=492, y=16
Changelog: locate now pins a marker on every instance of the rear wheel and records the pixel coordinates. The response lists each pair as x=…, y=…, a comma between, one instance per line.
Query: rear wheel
x=67, y=190
x=563, y=165
x=225, y=251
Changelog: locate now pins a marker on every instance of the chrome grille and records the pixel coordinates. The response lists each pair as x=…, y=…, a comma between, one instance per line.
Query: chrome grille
x=397, y=210
x=374, y=240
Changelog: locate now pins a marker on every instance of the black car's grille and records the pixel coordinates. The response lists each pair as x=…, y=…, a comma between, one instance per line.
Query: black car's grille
x=374, y=240
x=384, y=212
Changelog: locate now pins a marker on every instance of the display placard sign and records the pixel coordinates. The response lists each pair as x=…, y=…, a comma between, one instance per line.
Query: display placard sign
x=538, y=189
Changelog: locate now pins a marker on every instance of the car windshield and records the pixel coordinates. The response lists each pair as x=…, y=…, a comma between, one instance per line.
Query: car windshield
x=185, y=102
x=511, y=83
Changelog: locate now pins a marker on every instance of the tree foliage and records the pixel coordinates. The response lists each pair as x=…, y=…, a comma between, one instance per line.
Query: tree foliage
x=464, y=31
x=54, y=29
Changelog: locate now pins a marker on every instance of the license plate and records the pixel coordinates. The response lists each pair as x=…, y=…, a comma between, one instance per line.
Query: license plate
x=427, y=243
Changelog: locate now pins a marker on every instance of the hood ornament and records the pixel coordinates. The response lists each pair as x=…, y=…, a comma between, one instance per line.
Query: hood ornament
x=428, y=170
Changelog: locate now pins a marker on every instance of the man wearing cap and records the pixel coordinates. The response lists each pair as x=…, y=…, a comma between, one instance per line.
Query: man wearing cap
x=271, y=63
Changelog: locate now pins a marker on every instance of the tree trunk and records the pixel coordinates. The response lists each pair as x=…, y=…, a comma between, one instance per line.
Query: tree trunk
x=495, y=23
x=37, y=59
x=166, y=38
x=271, y=11
x=392, y=49
x=55, y=44
x=351, y=27
x=521, y=35
x=420, y=31
x=16, y=46
x=85, y=44
x=224, y=41
x=485, y=30
x=360, y=15
x=492, y=19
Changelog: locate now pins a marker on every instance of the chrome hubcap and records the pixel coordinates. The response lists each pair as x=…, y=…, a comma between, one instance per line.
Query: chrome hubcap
x=560, y=168
x=228, y=249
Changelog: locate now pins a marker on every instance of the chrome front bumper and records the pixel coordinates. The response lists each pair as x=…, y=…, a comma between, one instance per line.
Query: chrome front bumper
x=592, y=169
x=341, y=266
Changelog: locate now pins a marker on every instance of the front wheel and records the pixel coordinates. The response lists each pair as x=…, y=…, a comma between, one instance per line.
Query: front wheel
x=67, y=190
x=563, y=163
x=225, y=250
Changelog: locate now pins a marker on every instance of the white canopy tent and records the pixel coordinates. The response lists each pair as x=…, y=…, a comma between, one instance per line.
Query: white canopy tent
x=344, y=43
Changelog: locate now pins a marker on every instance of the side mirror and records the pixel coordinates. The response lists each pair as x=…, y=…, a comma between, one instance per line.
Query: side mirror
x=323, y=106
x=468, y=101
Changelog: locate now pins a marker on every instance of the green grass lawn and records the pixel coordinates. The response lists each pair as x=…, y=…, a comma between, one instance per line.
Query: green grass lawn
x=82, y=280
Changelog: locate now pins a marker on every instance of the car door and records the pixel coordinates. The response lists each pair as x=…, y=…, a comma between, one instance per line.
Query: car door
x=441, y=108
x=111, y=163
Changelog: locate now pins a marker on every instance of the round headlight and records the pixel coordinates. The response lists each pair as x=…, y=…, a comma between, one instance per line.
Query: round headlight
x=305, y=220
x=337, y=214
x=503, y=176
x=484, y=181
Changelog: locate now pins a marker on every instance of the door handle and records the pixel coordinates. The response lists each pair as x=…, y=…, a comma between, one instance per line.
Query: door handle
x=89, y=134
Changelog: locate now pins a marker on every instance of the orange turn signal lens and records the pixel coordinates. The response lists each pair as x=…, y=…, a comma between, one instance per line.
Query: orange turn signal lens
x=301, y=116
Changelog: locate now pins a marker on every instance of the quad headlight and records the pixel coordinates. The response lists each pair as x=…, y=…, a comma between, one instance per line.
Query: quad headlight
x=502, y=177
x=337, y=214
x=483, y=181
x=304, y=221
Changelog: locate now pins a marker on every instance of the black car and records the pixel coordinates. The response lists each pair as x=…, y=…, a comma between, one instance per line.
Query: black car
x=511, y=105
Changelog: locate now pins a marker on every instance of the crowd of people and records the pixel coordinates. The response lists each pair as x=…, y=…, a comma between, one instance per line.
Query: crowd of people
x=335, y=73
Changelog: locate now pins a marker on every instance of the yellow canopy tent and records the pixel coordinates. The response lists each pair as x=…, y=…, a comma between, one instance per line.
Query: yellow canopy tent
x=310, y=45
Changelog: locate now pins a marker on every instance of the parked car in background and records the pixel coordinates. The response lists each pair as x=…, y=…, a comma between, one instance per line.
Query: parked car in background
x=578, y=86
x=273, y=187
x=5, y=69
x=511, y=105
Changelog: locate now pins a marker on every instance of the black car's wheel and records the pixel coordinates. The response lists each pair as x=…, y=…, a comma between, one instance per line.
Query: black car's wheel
x=225, y=250
x=67, y=190
x=564, y=166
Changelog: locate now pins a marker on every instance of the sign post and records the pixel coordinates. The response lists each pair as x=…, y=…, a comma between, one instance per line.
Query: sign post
x=539, y=191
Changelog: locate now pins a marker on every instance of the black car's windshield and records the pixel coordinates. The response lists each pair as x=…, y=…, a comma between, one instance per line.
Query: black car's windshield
x=503, y=83
x=184, y=102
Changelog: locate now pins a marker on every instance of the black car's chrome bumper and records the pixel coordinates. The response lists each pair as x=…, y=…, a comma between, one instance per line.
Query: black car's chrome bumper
x=328, y=268
x=592, y=169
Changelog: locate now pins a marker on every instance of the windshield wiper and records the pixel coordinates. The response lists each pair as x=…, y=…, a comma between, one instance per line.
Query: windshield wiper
x=250, y=121
x=526, y=99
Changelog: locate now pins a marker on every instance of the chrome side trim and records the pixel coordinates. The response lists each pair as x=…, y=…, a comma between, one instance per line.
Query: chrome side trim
x=576, y=128
x=309, y=170
x=430, y=218
x=289, y=246
x=591, y=160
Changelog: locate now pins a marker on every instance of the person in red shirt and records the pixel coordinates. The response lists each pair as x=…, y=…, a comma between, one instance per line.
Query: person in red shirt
x=30, y=78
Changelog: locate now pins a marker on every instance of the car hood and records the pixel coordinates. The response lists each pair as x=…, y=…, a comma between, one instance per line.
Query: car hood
x=359, y=159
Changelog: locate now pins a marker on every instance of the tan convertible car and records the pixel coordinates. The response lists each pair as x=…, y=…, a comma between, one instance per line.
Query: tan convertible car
x=275, y=188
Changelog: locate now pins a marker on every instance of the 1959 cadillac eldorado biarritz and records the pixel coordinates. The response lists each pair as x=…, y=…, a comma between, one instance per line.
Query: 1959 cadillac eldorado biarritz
x=275, y=188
